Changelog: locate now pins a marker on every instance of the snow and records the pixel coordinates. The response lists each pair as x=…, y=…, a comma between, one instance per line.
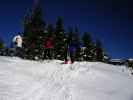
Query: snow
x=51, y=80
x=130, y=59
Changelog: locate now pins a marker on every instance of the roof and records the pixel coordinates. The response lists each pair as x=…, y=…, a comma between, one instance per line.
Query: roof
x=116, y=60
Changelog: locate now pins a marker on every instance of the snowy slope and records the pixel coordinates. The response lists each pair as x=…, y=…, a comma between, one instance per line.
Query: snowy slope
x=50, y=80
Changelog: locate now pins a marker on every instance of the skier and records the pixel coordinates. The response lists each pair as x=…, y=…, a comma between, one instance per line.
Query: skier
x=17, y=41
x=48, y=48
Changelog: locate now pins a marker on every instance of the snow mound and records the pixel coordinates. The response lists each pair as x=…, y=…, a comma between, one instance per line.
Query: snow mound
x=51, y=80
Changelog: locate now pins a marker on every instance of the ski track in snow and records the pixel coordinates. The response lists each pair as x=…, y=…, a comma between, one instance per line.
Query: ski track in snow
x=51, y=80
x=38, y=92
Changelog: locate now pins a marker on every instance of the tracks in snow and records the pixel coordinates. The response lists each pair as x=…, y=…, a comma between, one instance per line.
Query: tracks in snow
x=54, y=86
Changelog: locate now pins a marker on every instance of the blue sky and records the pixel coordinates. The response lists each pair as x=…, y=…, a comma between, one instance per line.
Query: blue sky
x=109, y=20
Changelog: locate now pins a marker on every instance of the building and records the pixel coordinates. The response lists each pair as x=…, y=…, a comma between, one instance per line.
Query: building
x=117, y=61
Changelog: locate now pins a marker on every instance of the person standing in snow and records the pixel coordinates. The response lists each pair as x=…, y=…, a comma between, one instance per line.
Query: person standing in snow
x=18, y=41
x=48, y=48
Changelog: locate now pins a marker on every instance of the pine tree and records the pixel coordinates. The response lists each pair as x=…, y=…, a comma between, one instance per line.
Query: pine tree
x=1, y=44
x=26, y=23
x=88, y=52
x=99, y=51
x=33, y=32
x=59, y=43
x=70, y=35
x=71, y=42
x=78, y=43
x=50, y=30
x=3, y=50
x=49, y=36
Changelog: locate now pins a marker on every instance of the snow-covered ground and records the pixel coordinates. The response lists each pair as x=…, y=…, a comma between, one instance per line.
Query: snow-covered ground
x=51, y=80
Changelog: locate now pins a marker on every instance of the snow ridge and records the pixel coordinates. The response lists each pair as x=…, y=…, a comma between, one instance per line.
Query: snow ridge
x=51, y=80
